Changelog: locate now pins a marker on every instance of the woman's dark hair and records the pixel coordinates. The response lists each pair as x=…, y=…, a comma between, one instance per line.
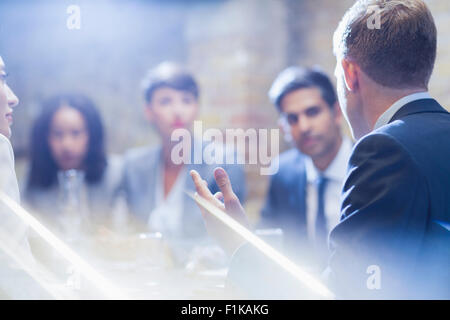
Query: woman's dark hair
x=43, y=169
x=169, y=74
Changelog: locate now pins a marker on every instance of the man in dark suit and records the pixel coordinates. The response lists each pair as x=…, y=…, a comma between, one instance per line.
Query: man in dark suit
x=393, y=239
x=303, y=197
x=396, y=198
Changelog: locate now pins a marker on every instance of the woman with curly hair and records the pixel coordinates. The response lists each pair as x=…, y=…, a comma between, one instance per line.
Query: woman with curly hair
x=70, y=174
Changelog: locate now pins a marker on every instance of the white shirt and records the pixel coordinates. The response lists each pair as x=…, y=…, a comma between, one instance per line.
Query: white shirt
x=9, y=222
x=390, y=112
x=167, y=215
x=336, y=173
x=13, y=235
x=8, y=180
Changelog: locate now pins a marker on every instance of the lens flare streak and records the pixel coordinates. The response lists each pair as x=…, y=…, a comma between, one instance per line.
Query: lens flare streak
x=108, y=289
x=302, y=276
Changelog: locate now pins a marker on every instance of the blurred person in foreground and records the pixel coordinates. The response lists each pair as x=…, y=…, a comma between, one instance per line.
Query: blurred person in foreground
x=71, y=182
x=303, y=198
x=393, y=240
x=15, y=283
x=154, y=184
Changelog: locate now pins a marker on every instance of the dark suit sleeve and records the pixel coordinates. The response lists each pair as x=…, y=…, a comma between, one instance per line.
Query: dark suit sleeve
x=384, y=215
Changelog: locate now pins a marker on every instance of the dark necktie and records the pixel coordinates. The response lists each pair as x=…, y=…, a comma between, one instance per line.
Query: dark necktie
x=321, y=223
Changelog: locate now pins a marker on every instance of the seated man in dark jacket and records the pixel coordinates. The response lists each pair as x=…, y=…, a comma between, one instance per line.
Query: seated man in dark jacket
x=304, y=195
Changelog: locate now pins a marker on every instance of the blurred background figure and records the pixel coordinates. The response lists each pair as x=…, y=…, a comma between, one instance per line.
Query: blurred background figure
x=304, y=195
x=234, y=64
x=71, y=182
x=153, y=183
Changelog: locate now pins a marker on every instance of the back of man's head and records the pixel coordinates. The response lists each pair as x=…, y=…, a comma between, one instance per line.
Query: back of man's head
x=400, y=54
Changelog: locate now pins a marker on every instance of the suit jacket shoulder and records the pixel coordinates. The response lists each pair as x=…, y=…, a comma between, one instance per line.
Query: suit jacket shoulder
x=141, y=157
x=396, y=187
x=291, y=169
x=288, y=160
x=285, y=204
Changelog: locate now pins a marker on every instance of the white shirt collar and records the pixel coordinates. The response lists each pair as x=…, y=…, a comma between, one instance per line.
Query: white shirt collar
x=338, y=167
x=390, y=112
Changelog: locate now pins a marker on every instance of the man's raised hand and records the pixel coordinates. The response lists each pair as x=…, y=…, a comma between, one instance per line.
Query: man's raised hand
x=227, y=201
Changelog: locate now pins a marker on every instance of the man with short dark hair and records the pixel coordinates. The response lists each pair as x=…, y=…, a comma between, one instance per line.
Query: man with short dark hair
x=304, y=195
x=393, y=240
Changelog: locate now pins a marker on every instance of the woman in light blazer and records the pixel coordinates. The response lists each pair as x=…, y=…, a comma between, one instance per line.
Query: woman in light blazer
x=153, y=183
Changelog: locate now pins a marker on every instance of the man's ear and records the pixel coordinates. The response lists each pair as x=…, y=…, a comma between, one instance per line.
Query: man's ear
x=148, y=112
x=351, y=74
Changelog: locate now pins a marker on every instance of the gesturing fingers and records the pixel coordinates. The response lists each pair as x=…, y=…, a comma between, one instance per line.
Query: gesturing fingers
x=219, y=198
x=230, y=199
x=201, y=186
x=224, y=184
